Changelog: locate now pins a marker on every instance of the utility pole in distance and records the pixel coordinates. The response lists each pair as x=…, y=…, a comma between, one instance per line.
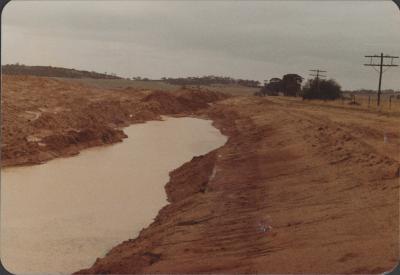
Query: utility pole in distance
x=381, y=64
x=317, y=75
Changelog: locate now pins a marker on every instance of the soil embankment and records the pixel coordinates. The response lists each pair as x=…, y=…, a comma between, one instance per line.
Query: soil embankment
x=298, y=188
x=44, y=118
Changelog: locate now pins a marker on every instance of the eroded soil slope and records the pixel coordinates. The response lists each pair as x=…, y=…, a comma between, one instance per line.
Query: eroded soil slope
x=296, y=189
x=43, y=118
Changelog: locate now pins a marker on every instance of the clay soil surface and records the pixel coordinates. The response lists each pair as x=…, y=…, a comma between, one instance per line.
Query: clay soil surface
x=44, y=118
x=297, y=188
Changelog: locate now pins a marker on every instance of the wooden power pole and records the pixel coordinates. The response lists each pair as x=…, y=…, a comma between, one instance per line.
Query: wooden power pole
x=381, y=59
x=317, y=75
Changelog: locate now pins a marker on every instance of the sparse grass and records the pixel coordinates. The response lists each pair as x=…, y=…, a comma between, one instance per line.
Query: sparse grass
x=392, y=108
x=363, y=101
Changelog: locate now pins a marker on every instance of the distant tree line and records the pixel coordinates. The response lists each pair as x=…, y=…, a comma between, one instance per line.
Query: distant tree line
x=49, y=71
x=210, y=80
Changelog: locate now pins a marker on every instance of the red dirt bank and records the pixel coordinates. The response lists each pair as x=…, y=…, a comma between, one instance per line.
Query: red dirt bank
x=45, y=118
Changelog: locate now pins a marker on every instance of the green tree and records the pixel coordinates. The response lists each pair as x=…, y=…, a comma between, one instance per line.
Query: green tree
x=274, y=86
x=291, y=84
x=321, y=89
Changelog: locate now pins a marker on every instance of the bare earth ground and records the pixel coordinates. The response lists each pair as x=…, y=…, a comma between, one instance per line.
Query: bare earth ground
x=44, y=118
x=298, y=187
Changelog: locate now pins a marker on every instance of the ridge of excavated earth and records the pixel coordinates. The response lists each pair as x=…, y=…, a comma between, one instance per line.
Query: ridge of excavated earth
x=43, y=118
x=297, y=188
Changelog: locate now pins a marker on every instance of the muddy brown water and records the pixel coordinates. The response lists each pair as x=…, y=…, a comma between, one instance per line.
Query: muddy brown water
x=60, y=216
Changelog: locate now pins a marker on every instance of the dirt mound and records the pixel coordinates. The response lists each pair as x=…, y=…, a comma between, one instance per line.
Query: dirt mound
x=182, y=101
x=92, y=136
x=201, y=97
x=43, y=118
x=164, y=102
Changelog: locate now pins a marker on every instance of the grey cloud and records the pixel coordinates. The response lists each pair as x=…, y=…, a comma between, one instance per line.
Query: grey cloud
x=235, y=38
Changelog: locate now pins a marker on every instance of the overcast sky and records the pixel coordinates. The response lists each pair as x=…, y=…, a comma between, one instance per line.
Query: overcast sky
x=242, y=39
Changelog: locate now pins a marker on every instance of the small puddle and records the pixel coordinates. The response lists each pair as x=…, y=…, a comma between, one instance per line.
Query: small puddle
x=60, y=216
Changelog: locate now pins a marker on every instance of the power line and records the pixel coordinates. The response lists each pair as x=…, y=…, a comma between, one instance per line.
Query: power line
x=317, y=75
x=381, y=59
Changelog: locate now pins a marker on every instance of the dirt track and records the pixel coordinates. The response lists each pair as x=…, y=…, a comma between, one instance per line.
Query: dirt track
x=296, y=189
